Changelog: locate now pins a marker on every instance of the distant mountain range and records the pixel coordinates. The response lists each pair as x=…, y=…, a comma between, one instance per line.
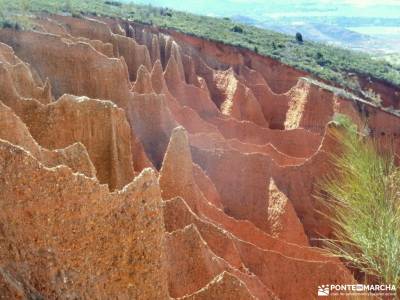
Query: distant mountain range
x=367, y=25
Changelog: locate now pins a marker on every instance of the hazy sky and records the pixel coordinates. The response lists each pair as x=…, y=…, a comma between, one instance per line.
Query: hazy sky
x=254, y=8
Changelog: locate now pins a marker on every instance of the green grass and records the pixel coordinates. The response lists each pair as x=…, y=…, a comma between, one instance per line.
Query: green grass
x=394, y=59
x=364, y=205
x=325, y=62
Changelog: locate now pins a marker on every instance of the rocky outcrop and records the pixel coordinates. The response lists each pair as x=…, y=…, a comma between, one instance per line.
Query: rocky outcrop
x=88, y=28
x=239, y=103
x=155, y=52
x=187, y=95
x=99, y=125
x=215, y=140
x=13, y=288
x=143, y=81
x=217, y=55
x=157, y=79
x=176, y=174
x=188, y=277
x=172, y=50
x=274, y=106
x=238, y=254
x=206, y=186
x=19, y=80
x=248, y=197
x=134, y=55
x=298, y=142
x=177, y=215
x=153, y=123
x=67, y=235
x=309, y=107
x=177, y=180
x=282, y=219
x=13, y=130
x=224, y=286
x=387, y=94
x=150, y=121
x=48, y=25
x=51, y=55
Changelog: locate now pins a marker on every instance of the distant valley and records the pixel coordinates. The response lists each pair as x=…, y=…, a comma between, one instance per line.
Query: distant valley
x=372, y=35
x=369, y=25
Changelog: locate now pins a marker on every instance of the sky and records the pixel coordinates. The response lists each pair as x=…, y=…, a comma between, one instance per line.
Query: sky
x=254, y=8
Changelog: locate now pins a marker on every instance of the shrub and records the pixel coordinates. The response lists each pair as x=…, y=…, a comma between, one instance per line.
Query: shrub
x=113, y=3
x=6, y=24
x=299, y=37
x=77, y=15
x=165, y=12
x=17, y=27
x=237, y=29
x=10, y=23
x=364, y=205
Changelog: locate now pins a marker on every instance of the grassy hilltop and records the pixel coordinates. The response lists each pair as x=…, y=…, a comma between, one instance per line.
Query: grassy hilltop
x=323, y=61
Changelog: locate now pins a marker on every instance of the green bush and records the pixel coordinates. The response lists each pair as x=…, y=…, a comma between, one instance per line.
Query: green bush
x=237, y=29
x=10, y=24
x=364, y=204
x=299, y=37
x=114, y=3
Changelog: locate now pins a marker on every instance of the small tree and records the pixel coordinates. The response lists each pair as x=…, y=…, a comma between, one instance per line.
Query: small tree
x=299, y=37
x=237, y=29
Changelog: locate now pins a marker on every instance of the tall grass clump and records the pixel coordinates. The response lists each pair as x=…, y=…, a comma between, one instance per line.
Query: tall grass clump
x=364, y=206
